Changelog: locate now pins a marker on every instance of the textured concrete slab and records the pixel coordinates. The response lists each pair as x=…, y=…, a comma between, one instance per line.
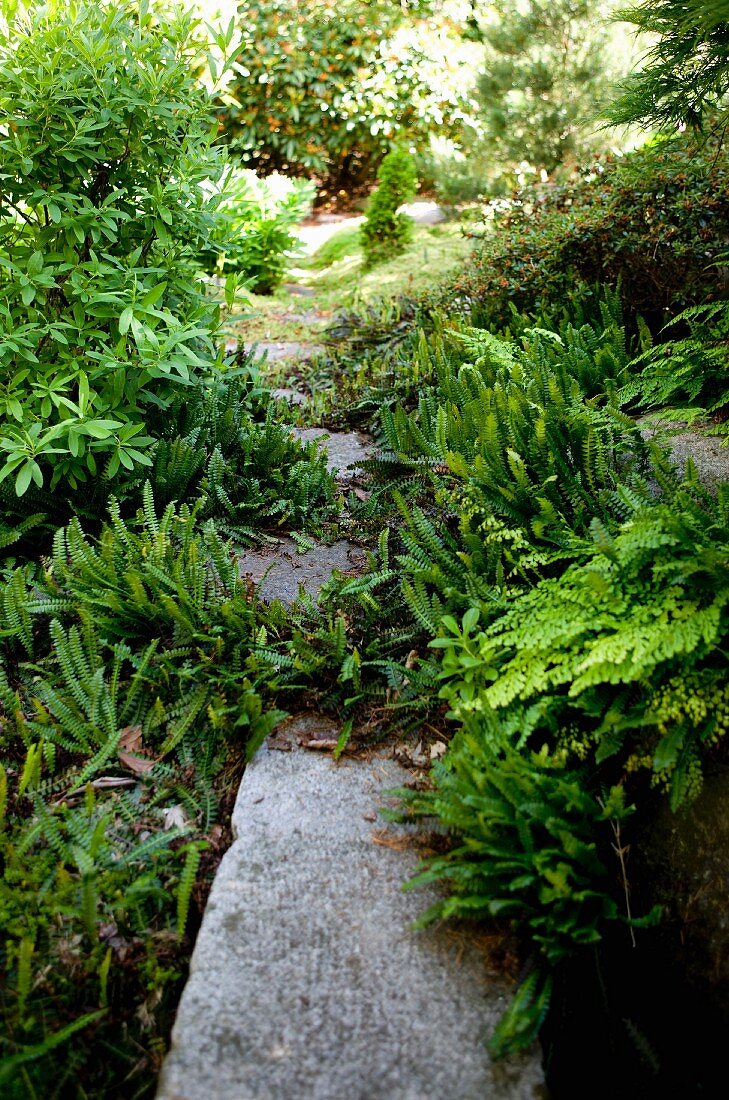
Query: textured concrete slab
x=346, y=450
x=308, y=982
x=280, y=569
x=277, y=351
x=708, y=452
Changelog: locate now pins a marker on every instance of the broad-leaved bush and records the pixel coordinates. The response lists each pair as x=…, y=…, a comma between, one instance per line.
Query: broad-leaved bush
x=106, y=150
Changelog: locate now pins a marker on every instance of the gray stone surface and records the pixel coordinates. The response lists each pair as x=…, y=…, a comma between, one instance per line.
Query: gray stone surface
x=277, y=351
x=709, y=455
x=423, y=212
x=346, y=450
x=280, y=569
x=291, y=396
x=308, y=982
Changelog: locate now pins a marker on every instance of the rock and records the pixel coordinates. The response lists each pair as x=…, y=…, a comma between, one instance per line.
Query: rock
x=301, y=291
x=346, y=450
x=293, y=397
x=280, y=350
x=308, y=981
x=321, y=228
x=424, y=213
x=709, y=455
x=685, y=859
x=281, y=569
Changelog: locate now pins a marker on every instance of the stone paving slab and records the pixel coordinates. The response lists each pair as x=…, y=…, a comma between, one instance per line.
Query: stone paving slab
x=308, y=982
x=708, y=452
x=280, y=569
x=277, y=351
x=346, y=451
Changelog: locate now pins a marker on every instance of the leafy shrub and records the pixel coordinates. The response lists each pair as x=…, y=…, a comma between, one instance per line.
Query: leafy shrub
x=323, y=88
x=255, y=219
x=103, y=212
x=385, y=233
x=653, y=223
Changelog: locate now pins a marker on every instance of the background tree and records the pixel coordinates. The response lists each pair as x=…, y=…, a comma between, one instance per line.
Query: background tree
x=685, y=76
x=386, y=232
x=544, y=80
x=324, y=87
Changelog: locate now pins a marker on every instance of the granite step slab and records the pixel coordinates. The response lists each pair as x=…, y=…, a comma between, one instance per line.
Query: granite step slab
x=308, y=981
x=280, y=569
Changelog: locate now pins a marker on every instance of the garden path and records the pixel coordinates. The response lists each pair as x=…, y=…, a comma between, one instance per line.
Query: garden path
x=308, y=981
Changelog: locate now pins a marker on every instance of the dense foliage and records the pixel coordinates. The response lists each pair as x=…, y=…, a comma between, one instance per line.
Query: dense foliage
x=545, y=590
x=324, y=88
x=103, y=212
x=544, y=82
x=684, y=78
x=129, y=681
x=653, y=222
x=578, y=595
x=254, y=235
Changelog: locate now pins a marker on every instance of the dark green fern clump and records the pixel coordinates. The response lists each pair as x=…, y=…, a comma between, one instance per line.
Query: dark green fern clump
x=128, y=686
x=574, y=592
x=690, y=372
x=386, y=233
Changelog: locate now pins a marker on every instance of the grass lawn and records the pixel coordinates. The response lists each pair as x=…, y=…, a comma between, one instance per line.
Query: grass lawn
x=333, y=278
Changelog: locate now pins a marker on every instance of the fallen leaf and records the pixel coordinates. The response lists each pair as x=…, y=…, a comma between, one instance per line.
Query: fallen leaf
x=412, y=659
x=140, y=765
x=437, y=750
x=174, y=817
x=384, y=839
x=319, y=743
x=130, y=738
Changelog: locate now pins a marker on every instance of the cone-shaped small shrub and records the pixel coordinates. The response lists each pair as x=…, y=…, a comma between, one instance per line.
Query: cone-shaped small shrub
x=386, y=233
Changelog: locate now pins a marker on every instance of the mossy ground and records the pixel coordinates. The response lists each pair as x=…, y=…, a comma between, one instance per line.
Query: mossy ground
x=333, y=278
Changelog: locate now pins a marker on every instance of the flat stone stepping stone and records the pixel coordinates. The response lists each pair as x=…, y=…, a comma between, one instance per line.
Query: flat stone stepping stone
x=423, y=212
x=346, y=451
x=308, y=981
x=291, y=396
x=276, y=351
x=708, y=452
x=280, y=569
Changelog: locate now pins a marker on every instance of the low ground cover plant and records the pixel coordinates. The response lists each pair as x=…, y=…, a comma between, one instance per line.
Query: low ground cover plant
x=572, y=592
x=125, y=695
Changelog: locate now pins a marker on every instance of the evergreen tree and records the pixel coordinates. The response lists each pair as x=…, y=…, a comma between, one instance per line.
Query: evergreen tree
x=543, y=86
x=685, y=78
